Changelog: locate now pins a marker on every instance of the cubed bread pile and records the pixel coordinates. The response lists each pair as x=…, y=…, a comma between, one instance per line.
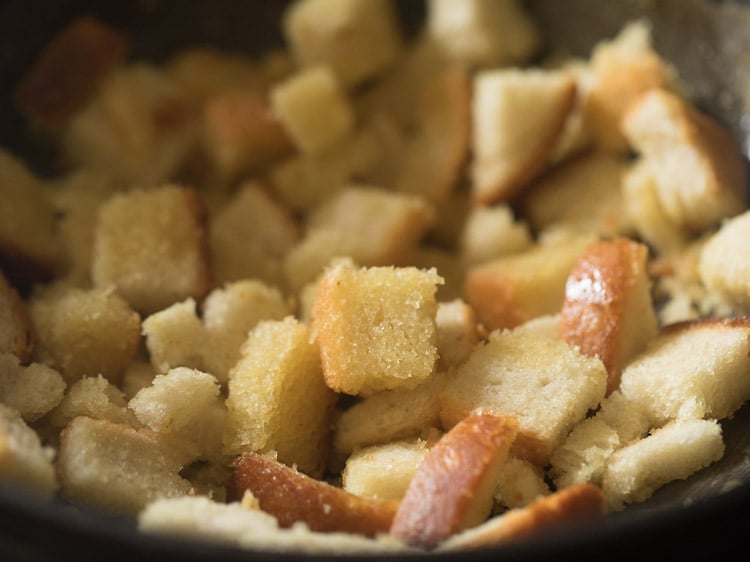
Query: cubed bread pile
x=369, y=292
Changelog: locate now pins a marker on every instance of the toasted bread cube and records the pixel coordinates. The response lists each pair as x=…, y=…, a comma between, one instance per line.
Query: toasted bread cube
x=187, y=403
x=151, y=246
x=585, y=194
x=511, y=290
x=32, y=390
x=68, y=70
x=492, y=232
x=376, y=327
x=723, y=267
x=426, y=518
x=292, y=497
x=23, y=459
x=313, y=110
x=175, y=337
x=517, y=118
x=669, y=381
x=358, y=39
x=674, y=452
x=520, y=483
x=482, y=33
x=278, y=400
x=710, y=181
x=29, y=248
x=576, y=136
x=118, y=468
x=457, y=332
x=383, y=471
x=16, y=332
x=250, y=235
x=94, y=397
x=138, y=128
x=624, y=68
x=533, y=375
x=608, y=311
x=86, y=332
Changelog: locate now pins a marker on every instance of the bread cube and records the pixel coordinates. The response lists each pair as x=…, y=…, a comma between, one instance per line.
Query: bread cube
x=723, y=267
x=16, y=332
x=175, y=337
x=457, y=332
x=517, y=118
x=96, y=398
x=312, y=109
x=376, y=327
x=32, y=390
x=151, y=246
x=118, y=468
x=520, y=483
x=358, y=39
x=278, y=400
x=532, y=375
x=492, y=232
x=23, y=460
x=86, y=332
x=482, y=33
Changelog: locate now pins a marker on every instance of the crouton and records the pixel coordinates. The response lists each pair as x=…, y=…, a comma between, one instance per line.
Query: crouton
x=278, y=400
x=94, y=397
x=519, y=484
x=536, y=377
x=32, y=390
x=151, y=246
x=16, y=335
x=517, y=119
x=492, y=232
x=457, y=332
x=376, y=327
x=722, y=266
x=464, y=466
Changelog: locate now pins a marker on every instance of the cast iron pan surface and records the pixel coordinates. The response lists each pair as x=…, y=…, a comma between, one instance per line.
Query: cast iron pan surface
x=704, y=517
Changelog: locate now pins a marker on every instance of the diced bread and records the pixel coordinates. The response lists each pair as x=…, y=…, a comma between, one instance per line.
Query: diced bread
x=710, y=181
x=16, y=333
x=452, y=488
x=174, y=337
x=492, y=232
x=293, y=497
x=723, y=267
x=376, y=327
x=151, y=246
x=278, y=400
x=517, y=119
x=569, y=506
x=608, y=311
x=457, y=332
x=527, y=373
x=32, y=390
x=520, y=483
x=94, y=397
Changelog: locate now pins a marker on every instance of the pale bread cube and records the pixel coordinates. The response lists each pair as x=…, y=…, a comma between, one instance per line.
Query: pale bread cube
x=376, y=327
x=510, y=290
x=517, y=117
x=24, y=461
x=699, y=172
x=151, y=245
x=576, y=137
x=383, y=471
x=457, y=332
x=520, y=483
x=533, y=375
x=85, y=332
x=673, y=452
x=94, y=397
x=32, y=390
x=492, y=232
x=358, y=39
x=482, y=33
x=118, y=468
x=137, y=129
x=278, y=400
x=313, y=109
x=175, y=337
x=723, y=267
x=16, y=331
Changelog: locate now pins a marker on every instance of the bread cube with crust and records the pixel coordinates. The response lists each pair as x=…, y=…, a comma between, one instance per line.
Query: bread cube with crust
x=357, y=39
x=722, y=268
x=16, y=332
x=376, y=327
x=532, y=374
x=151, y=246
x=482, y=33
x=32, y=390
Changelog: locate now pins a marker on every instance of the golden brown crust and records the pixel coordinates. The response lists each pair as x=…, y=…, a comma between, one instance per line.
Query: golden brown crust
x=68, y=70
x=449, y=490
x=15, y=323
x=291, y=497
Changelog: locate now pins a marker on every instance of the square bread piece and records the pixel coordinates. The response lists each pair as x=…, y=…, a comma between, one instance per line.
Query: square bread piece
x=533, y=375
x=376, y=327
x=151, y=246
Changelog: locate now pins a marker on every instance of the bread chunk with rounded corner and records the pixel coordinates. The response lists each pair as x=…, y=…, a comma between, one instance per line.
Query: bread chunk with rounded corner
x=85, y=332
x=568, y=506
x=151, y=246
x=32, y=390
x=608, y=310
x=517, y=119
x=293, y=497
x=24, y=461
x=699, y=172
x=277, y=397
x=16, y=332
x=118, y=468
x=376, y=327
x=510, y=290
x=452, y=488
x=532, y=375
x=520, y=483
x=673, y=452
x=722, y=266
